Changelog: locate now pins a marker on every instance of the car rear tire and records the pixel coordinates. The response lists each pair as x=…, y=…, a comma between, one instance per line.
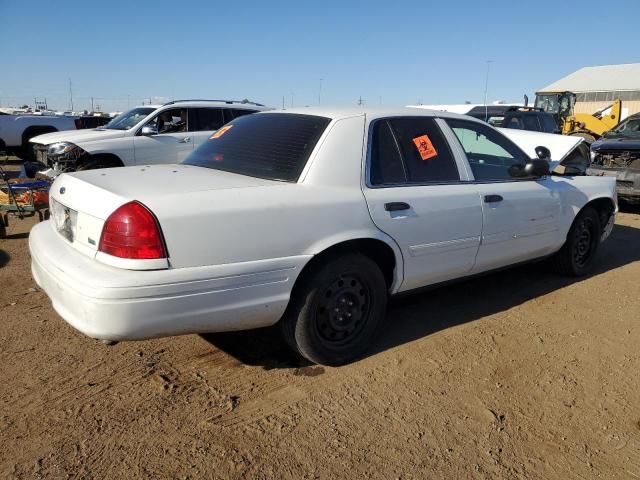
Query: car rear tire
x=335, y=310
x=576, y=256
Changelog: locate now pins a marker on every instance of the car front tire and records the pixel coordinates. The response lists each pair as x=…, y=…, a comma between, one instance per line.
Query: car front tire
x=577, y=255
x=335, y=310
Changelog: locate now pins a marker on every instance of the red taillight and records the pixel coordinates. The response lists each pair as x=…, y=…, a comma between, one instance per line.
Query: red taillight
x=132, y=232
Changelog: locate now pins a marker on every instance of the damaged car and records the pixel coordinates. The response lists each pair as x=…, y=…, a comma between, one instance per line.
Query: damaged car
x=617, y=154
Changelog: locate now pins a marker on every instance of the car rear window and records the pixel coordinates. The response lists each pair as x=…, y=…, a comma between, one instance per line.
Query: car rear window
x=275, y=146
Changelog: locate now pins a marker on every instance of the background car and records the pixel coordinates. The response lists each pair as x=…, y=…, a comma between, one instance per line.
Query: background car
x=617, y=154
x=516, y=117
x=144, y=135
x=311, y=218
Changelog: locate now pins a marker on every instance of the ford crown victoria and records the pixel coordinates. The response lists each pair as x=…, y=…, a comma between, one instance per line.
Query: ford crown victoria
x=311, y=218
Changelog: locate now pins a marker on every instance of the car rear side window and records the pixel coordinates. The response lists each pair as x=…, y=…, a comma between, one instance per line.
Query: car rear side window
x=274, y=146
x=411, y=150
x=239, y=112
x=209, y=119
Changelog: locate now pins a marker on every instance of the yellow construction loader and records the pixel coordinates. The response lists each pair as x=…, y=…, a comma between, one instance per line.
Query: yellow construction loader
x=589, y=126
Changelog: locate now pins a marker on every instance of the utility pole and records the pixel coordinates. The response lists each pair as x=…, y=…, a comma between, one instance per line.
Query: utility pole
x=283, y=102
x=360, y=101
x=70, y=95
x=320, y=92
x=486, y=89
x=92, y=110
x=292, y=99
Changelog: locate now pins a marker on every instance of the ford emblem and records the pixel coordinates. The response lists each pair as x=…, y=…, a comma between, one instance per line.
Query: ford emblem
x=62, y=190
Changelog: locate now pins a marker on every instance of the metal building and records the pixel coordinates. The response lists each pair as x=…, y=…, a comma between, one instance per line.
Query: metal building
x=597, y=87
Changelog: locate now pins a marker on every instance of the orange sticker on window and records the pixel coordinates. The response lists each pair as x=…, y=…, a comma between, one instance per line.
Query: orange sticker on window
x=425, y=147
x=220, y=132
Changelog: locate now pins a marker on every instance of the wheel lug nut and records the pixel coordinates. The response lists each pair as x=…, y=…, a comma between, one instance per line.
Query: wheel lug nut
x=344, y=300
x=336, y=309
x=350, y=304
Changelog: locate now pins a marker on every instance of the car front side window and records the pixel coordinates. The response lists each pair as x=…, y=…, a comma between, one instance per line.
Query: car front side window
x=173, y=120
x=491, y=156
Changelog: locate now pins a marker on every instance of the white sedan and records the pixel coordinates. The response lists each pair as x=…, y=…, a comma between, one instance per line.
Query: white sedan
x=310, y=218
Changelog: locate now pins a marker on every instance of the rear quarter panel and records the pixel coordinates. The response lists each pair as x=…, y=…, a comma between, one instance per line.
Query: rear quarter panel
x=248, y=224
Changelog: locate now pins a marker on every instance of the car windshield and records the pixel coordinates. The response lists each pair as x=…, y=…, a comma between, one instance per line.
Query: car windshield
x=628, y=128
x=275, y=146
x=129, y=119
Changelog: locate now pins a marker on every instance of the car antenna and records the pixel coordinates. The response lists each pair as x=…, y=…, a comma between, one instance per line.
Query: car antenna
x=486, y=88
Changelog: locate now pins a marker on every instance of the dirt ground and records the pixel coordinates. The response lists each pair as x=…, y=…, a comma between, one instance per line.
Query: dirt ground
x=520, y=374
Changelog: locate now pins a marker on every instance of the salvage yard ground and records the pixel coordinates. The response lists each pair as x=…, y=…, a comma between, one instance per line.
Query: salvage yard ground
x=520, y=374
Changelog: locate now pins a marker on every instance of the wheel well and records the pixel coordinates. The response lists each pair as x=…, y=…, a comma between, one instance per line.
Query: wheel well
x=605, y=208
x=34, y=131
x=377, y=250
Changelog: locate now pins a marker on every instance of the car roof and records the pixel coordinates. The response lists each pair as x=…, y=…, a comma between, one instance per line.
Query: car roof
x=217, y=103
x=337, y=113
x=210, y=104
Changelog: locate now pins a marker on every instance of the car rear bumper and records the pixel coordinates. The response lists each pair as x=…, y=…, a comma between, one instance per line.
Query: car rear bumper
x=109, y=303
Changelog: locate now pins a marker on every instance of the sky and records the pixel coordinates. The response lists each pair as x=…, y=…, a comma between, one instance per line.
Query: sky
x=332, y=52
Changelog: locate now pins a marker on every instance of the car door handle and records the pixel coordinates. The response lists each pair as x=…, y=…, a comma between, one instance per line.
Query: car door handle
x=493, y=198
x=396, y=206
x=184, y=140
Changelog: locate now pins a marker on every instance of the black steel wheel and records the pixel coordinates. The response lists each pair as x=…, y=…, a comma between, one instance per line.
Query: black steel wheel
x=586, y=241
x=335, y=311
x=342, y=310
x=576, y=256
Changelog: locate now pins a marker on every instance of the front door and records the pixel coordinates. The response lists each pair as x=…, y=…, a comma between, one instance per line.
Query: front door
x=521, y=216
x=171, y=142
x=415, y=195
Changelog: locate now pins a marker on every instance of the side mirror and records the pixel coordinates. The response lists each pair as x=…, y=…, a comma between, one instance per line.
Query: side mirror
x=537, y=168
x=149, y=130
x=543, y=153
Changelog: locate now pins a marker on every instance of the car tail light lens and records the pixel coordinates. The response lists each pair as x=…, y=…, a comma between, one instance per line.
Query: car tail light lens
x=132, y=231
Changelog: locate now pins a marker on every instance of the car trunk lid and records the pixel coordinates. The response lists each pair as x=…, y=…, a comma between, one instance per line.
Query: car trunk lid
x=82, y=201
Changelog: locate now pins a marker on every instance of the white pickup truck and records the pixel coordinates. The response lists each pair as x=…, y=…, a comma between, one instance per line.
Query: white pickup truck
x=17, y=130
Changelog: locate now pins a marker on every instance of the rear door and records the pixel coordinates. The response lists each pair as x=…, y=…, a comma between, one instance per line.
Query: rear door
x=205, y=122
x=416, y=194
x=521, y=216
